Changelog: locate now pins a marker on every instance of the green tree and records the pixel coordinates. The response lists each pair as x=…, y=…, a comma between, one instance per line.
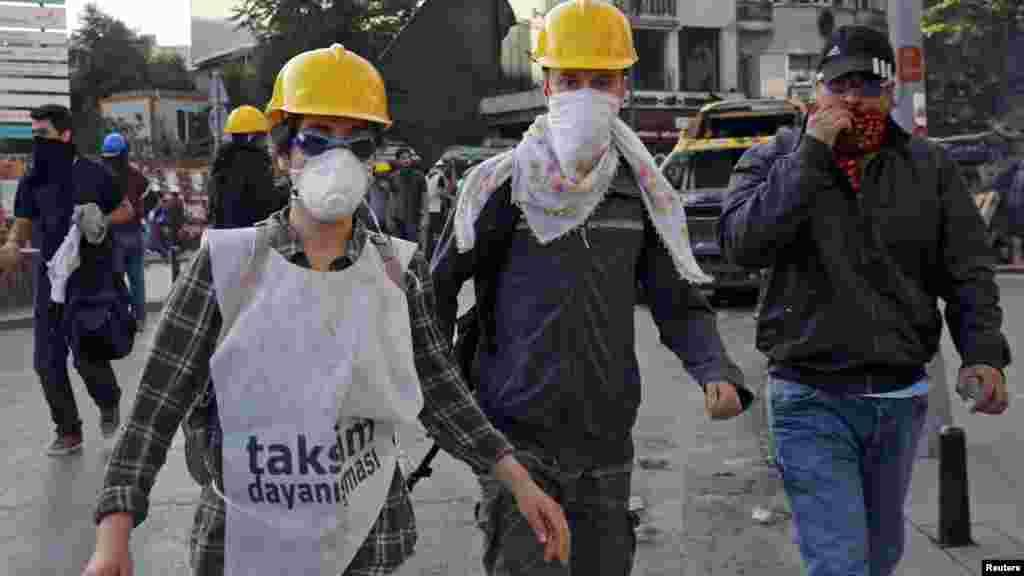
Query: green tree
x=167, y=71
x=974, y=18
x=284, y=28
x=967, y=43
x=106, y=57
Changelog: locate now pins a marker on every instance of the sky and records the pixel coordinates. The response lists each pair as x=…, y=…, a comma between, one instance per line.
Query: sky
x=169, y=20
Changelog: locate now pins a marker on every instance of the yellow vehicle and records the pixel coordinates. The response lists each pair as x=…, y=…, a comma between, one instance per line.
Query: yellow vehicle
x=701, y=165
x=742, y=118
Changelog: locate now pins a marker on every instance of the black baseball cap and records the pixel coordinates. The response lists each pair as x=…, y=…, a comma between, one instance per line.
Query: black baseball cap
x=857, y=49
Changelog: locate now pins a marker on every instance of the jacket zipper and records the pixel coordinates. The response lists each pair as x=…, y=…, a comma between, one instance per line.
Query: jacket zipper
x=867, y=245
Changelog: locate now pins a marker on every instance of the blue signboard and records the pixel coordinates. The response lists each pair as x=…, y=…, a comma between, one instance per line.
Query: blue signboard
x=15, y=131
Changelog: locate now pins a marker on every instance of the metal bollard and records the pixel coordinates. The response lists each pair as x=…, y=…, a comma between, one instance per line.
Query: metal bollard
x=954, y=498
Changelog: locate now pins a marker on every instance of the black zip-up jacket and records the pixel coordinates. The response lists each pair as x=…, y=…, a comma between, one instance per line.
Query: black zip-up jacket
x=563, y=377
x=852, y=300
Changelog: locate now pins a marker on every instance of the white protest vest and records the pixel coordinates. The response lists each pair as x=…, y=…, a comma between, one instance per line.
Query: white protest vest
x=312, y=379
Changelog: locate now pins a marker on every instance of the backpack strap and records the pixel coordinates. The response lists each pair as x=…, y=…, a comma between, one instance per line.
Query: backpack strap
x=495, y=230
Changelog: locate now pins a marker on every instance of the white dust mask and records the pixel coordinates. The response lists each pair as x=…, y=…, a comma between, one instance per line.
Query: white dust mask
x=580, y=124
x=331, y=185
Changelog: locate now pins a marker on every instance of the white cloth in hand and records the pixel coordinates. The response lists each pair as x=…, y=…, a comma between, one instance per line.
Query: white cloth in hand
x=92, y=221
x=64, y=262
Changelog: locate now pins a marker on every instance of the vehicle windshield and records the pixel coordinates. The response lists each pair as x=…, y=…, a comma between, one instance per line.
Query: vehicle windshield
x=724, y=127
x=711, y=168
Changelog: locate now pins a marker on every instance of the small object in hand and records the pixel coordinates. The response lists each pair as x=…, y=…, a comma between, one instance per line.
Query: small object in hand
x=969, y=389
x=762, y=515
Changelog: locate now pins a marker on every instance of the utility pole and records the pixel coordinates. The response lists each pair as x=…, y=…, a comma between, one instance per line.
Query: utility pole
x=910, y=112
x=905, y=35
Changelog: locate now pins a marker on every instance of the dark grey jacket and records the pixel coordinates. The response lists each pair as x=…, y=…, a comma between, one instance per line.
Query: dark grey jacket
x=855, y=279
x=565, y=378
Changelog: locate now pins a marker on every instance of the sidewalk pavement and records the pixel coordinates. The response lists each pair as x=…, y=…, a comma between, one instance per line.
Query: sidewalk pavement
x=673, y=531
x=994, y=470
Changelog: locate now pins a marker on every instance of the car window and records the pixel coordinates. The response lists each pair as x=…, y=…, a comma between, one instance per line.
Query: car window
x=712, y=168
x=749, y=126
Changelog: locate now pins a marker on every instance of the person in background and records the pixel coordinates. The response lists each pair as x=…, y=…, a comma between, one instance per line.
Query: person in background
x=49, y=199
x=129, y=238
x=437, y=188
x=409, y=189
x=380, y=194
x=241, y=189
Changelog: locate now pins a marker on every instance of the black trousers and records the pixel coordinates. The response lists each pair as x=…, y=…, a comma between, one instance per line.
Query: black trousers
x=50, y=360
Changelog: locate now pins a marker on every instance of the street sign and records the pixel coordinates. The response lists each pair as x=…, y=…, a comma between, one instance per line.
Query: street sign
x=47, y=85
x=33, y=17
x=33, y=38
x=47, y=53
x=15, y=116
x=15, y=131
x=54, y=69
x=33, y=100
x=218, y=96
x=911, y=64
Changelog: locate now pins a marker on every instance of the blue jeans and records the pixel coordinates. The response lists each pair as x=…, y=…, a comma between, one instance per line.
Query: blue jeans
x=846, y=463
x=131, y=250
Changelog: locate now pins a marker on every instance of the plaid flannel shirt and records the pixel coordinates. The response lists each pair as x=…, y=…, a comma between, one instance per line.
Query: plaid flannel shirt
x=177, y=374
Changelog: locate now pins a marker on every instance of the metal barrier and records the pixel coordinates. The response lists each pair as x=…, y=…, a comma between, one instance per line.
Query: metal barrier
x=17, y=288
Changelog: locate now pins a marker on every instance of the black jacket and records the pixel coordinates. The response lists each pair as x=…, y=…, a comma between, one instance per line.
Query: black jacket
x=851, y=303
x=241, y=190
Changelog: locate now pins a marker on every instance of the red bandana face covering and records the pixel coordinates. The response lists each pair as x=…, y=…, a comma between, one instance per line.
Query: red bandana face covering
x=868, y=134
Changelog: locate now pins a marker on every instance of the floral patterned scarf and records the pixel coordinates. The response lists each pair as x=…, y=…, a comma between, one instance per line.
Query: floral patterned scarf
x=554, y=205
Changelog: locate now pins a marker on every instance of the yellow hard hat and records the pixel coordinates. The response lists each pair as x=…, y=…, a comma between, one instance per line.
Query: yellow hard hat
x=382, y=168
x=586, y=35
x=334, y=82
x=246, y=120
x=273, y=110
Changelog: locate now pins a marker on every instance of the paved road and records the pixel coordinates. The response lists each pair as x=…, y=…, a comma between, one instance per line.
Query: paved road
x=698, y=480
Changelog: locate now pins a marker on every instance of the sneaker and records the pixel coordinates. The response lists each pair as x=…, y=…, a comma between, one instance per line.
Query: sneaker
x=110, y=421
x=65, y=444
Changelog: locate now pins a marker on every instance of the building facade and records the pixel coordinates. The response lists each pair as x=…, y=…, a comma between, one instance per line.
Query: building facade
x=779, y=41
x=159, y=122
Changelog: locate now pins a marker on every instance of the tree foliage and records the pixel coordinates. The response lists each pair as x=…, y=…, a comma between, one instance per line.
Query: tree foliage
x=968, y=43
x=107, y=57
x=974, y=18
x=285, y=28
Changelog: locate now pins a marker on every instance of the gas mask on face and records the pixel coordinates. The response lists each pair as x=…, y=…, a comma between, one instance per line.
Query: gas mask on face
x=580, y=122
x=331, y=185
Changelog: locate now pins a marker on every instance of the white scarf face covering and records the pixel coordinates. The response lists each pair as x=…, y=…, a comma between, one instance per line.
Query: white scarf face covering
x=554, y=204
